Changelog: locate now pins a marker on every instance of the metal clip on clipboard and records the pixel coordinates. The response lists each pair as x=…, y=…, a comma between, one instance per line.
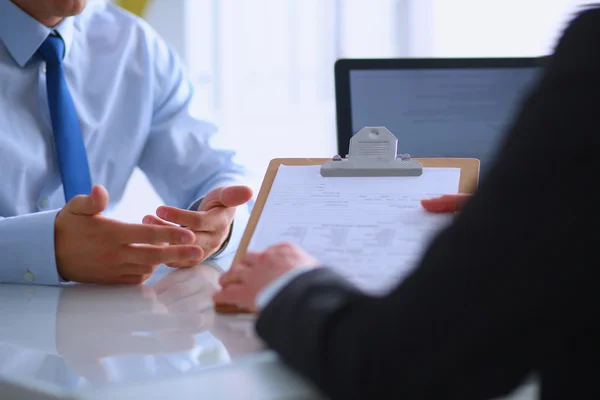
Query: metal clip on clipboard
x=373, y=152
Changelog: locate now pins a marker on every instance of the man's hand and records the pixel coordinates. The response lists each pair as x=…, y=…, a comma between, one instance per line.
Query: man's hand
x=255, y=271
x=90, y=248
x=210, y=223
x=446, y=204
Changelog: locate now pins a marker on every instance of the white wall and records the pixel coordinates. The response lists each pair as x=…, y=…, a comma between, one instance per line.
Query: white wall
x=168, y=18
x=263, y=68
x=477, y=28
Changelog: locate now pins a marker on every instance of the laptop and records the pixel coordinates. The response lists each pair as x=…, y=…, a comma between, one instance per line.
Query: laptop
x=437, y=107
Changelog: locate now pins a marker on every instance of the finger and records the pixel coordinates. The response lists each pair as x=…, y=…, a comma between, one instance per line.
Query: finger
x=91, y=204
x=194, y=220
x=237, y=274
x=279, y=248
x=235, y=295
x=184, y=264
x=152, y=234
x=152, y=220
x=228, y=276
x=228, y=196
x=154, y=255
x=446, y=203
x=233, y=196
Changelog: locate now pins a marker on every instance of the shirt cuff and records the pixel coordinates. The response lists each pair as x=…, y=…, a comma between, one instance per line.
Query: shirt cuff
x=264, y=297
x=27, y=248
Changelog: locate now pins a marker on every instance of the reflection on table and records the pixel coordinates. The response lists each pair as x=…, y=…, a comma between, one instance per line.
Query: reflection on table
x=80, y=335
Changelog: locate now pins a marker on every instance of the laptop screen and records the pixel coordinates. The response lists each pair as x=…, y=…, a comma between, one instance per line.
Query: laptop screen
x=440, y=112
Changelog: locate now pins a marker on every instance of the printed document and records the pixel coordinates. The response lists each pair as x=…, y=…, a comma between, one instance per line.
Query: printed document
x=372, y=230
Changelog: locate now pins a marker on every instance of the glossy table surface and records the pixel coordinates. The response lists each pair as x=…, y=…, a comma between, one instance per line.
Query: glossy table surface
x=150, y=341
x=154, y=341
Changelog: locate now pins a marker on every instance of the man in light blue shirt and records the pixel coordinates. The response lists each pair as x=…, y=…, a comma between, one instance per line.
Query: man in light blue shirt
x=132, y=102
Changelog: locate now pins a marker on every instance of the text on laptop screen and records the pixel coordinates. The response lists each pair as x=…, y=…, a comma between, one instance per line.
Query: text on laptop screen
x=441, y=112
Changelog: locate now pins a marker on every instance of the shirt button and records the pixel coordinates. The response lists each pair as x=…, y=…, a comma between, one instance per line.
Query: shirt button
x=43, y=68
x=44, y=203
x=29, y=276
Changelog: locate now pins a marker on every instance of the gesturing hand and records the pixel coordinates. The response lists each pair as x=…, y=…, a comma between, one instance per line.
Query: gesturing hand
x=210, y=223
x=91, y=248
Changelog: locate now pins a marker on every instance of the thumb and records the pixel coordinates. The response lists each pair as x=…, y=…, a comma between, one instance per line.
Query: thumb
x=229, y=196
x=91, y=204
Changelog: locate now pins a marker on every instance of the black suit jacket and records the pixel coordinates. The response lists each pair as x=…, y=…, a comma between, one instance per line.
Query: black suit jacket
x=505, y=291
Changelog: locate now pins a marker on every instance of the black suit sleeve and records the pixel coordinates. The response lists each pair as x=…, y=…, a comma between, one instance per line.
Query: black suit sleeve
x=493, y=290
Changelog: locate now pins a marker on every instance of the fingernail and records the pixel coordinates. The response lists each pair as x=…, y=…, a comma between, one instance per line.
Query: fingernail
x=161, y=213
x=146, y=220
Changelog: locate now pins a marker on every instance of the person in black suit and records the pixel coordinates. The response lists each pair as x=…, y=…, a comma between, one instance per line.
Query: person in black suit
x=505, y=291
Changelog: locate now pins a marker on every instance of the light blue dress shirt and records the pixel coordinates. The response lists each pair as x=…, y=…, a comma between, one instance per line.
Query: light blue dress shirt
x=133, y=101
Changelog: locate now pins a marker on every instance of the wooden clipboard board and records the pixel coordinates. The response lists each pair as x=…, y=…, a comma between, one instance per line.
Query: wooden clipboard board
x=469, y=179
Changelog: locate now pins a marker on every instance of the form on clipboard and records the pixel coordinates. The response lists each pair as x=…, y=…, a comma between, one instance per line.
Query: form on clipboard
x=363, y=218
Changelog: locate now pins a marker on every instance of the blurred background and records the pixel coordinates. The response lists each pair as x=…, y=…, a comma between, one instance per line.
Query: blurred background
x=263, y=69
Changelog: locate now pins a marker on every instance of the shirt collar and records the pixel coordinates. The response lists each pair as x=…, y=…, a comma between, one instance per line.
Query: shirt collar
x=23, y=35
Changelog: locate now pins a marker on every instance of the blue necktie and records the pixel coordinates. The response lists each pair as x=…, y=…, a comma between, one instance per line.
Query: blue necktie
x=72, y=158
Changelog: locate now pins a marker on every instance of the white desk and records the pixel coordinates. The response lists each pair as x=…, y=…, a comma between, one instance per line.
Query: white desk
x=161, y=340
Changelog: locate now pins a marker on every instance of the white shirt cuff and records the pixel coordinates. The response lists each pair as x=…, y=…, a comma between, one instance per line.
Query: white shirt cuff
x=264, y=297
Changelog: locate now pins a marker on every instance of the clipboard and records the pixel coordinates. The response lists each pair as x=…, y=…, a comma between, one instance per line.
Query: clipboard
x=469, y=179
